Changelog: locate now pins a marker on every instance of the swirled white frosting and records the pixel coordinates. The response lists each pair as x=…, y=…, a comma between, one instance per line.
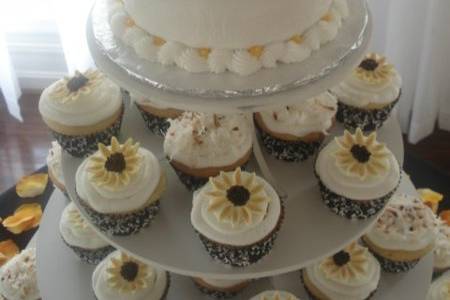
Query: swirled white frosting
x=226, y=35
x=300, y=119
x=274, y=295
x=77, y=232
x=54, y=162
x=219, y=283
x=442, y=249
x=205, y=222
x=201, y=140
x=342, y=183
x=18, y=277
x=148, y=102
x=120, y=199
x=356, y=288
x=406, y=224
x=440, y=288
x=104, y=291
x=102, y=102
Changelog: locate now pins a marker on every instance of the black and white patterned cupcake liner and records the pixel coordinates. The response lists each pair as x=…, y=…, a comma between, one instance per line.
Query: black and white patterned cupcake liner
x=84, y=145
x=155, y=124
x=91, y=256
x=246, y=255
x=286, y=150
x=122, y=224
x=215, y=293
x=391, y=266
x=367, y=119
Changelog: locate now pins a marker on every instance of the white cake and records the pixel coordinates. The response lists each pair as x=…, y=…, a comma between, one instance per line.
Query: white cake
x=241, y=36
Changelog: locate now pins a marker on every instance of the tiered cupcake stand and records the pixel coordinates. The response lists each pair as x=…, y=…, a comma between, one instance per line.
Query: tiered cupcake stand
x=310, y=231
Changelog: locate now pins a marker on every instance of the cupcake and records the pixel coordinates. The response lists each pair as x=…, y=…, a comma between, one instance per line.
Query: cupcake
x=367, y=97
x=350, y=274
x=18, y=277
x=440, y=288
x=357, y=175
x=237, y=216
x=294, y=133
x=55, y=172
x=220, y=289
x=119, y=187
x=200, y=145
x=82, y=111
x=274, y=295
x=156, y=115
x=404, y=233
x=121, y=277
x=441, y=253
x=79, y=236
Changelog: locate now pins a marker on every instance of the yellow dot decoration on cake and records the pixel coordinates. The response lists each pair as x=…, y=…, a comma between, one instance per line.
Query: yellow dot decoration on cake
x=298, y=39
x=256, y=51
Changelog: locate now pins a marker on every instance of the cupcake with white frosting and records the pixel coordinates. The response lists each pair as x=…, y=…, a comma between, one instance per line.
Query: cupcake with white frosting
x=55, y=172
x=18, y=277
x=367, y=97
x=274, y=295
x=295, y=132
x=79, y=236
x=82, y=111
x=156, y=115
x=351, y=274
x=441, y=253
x=237, y=216
x=200, y=145
x=119, y=187
x=404, y=233
x=440, y=288
x=120, y=277
x=357, y=175
x=220, y=289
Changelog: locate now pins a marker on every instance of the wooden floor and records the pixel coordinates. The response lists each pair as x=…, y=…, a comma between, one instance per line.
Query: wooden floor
x=24, y=146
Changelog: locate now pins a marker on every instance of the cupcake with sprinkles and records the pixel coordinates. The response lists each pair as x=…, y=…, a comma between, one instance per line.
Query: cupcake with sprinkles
x=237, y=216
x=440, y=288
x=274, y=295
x=357, y=175
x=404, y=233
x=79, y=236
x=156, y=115
x=119, y=187
x=350, y=274
x=200, y=145
x=441, y=253
x=367, y=97
x=220, y=289
x=121, y=277
x=82, y=111
x=294, y=133
x=55, y=172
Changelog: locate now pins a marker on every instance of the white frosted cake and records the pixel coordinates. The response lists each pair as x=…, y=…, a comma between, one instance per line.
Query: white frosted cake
x=241, y=36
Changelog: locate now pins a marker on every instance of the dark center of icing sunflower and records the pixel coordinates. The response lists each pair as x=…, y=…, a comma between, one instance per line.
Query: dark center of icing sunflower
x=238, y=195
x=115, y=163
x=77, y=82
x=369, y=64
x=129, y=270
x=341, y=258
x=360, y=153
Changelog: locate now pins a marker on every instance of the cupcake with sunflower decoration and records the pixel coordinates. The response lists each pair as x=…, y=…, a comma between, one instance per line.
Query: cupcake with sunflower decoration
x=440, y=288
x=79, y=236
x=237, y=216
x=120, y=187
x=367, y=97
x=121, y=277
x=357, y=175
x=82, y=111
x=351, y=274
x=404, y=233
x=220, y=289
x=275, y=295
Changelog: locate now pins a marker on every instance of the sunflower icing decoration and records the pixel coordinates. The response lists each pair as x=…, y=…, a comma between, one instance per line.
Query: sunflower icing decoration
x=374, y=69
x=76, y=219
x=114, y=165
x=128, y=275
x=347, y=264
x=70, y=89
x=237, y=198
x=361, y=156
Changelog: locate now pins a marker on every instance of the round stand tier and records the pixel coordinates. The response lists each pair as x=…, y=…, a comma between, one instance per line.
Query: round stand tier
x=306, y=218
x=62, y=276
x=225, y=92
